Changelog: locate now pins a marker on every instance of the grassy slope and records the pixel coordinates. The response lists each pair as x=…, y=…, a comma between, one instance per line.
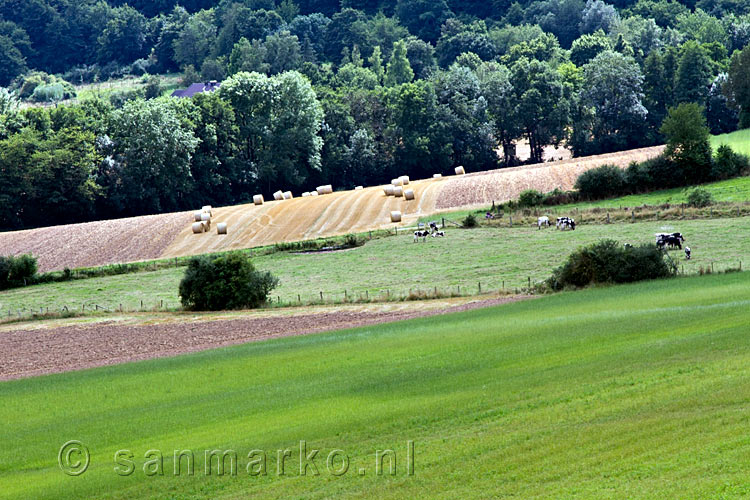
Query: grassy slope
x=464, y=257
x=634, y=391
x=738, y=141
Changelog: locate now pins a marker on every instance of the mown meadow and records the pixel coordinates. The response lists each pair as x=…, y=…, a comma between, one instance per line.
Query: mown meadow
x=496, y=257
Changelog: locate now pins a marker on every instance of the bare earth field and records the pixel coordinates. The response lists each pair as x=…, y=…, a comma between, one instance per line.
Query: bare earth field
x=32, y=349
x=343, y=212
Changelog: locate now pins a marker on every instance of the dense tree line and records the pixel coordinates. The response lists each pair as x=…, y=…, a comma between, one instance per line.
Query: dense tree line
x=347, y=92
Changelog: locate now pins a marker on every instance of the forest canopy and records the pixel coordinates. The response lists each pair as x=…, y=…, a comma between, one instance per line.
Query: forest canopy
x=345, y=92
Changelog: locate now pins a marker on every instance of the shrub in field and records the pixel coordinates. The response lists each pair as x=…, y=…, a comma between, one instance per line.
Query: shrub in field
x=601, y=182
x=226, y=282
x=17, y=271
x=700, y=198
x=638, y=177
x=530, y=198
x=727, y=163
x=470, y=221
x=610, y=262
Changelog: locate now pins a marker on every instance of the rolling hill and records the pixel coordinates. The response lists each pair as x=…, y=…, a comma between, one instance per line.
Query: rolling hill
x=343, y=212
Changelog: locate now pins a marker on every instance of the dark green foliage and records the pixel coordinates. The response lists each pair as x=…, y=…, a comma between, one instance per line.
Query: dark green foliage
x=530, y=198
x=609, y=261
x=17, y=271
x=699, y=198
x=688, y=142
x=226, y=282
x=601, y=182
x=728, y=164
x=470, y=221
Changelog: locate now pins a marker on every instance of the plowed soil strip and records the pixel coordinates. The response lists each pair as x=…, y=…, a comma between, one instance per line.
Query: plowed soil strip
x=28, y=353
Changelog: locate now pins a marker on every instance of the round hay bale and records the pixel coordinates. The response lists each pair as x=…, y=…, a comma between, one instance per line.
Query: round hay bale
x=198, y=227
x=404, y=179
x=313, y=193
x=398, y=191
x=437, y=176
x=359, y=188
x=460, y=171
x=205, y=217
x=278, y=195
x=396, y=216
x=327, y=189
x=221, y=228
x=397, y=182
x=305, y=194
x=206, y=208
x=388, y=190
x=258, y=199
x=409, y=194
x=197, y=216
x=288, y=195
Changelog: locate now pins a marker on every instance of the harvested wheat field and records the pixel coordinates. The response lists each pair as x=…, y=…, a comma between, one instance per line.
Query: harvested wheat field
x=343, y=212
x=506, y=184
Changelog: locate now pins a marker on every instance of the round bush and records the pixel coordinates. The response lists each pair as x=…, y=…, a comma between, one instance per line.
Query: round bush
x=226, y=282
x=610, y=262
x=530, y=198
x=602, y=182
x=700, y=198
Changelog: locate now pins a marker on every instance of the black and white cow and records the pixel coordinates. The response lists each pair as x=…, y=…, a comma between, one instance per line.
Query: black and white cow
x=564, y=223
x=687, y=253
x=433, y=226
x=421, y=234
x=440, y=234
x=669, y=240
x=542, y=221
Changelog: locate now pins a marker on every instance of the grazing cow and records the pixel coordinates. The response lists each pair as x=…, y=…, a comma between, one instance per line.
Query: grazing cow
x=433, y=226
x=542, y=221
x=438, y=233
x=489, y=215
x=671, y=236
x=421, y=234
x=564, y=223
x=669, y=240
x=687, y=253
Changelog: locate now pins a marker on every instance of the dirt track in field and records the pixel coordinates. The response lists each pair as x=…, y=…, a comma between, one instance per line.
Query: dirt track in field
x=40, y=351
x=343, y=212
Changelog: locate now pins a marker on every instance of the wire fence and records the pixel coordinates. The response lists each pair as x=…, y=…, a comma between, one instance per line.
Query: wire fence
x=527, y=285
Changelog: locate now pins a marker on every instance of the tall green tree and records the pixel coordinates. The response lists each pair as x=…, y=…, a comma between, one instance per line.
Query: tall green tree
x=541, y=103
x=399, y=70
x=737, y=87
x=278, y=123
x=694, y=74
x=613, y=88
x=153, y=148
x=688, y=142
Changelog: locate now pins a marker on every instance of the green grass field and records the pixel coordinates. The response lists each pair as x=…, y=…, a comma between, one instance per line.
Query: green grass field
x=738, y=141
x=635, y=391
x=464, y=258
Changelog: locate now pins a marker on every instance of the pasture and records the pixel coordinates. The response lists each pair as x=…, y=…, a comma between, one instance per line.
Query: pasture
x=635, y=391
x=494, y=256
x=738, y=141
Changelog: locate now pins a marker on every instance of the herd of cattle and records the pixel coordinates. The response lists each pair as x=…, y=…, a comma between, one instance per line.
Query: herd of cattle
x=663, y=240
x=432, y=231
x=563, y=223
